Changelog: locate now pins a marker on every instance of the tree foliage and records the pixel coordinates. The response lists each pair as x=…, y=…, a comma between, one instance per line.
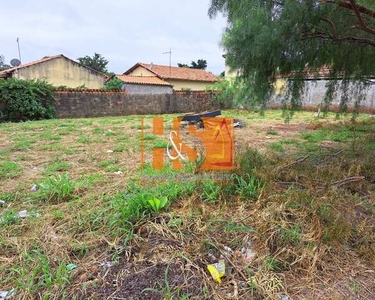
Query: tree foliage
x=199, y=64
x=113, y=84
x=266, y=38
x=22, y=100
x=96, y=62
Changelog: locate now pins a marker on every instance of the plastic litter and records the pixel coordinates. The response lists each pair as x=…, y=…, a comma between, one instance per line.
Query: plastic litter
x=227, y=250
x=110, y=151
x=106, y=264
x=119, y=172
x=238, y=125
x=247, y=253
x=2, y=203
x=282, y=297
x=7, y=294
x=23, y=214
x=217, y=270
x=71, y=267
x=34, y=188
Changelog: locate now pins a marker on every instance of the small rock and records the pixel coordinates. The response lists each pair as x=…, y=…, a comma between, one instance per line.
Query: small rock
x=34, y=188
x=110, y=151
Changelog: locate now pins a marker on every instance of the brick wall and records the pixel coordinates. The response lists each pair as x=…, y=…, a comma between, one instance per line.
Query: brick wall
x=95, y=103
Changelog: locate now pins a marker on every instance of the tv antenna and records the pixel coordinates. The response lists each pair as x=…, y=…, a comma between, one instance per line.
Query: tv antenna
x=19, y=49
x=170, y=60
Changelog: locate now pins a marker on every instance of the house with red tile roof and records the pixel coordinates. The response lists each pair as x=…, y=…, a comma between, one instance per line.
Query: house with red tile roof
x=58, y=70
x=145, y=85
x=179, y=78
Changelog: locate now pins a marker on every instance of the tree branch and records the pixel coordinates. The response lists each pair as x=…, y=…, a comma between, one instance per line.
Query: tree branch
x=333, y=26
x=348, y=5
x=359, y=17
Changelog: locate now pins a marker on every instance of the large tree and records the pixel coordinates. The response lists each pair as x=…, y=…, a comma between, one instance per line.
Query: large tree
x=96, y=62
x=266, y=38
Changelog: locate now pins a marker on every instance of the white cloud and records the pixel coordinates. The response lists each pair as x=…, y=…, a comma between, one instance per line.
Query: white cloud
x=125, y=32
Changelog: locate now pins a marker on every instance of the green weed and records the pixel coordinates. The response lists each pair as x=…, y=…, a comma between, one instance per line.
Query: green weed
x=57, y=166
x=290, y=235
x=272, y=132
x=60, y=188
x=38, y=274
x=10, y=169
x=84, y=140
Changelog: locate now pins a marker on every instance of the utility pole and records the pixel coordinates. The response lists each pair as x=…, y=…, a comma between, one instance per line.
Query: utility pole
x=19, y=49
x=170, y=60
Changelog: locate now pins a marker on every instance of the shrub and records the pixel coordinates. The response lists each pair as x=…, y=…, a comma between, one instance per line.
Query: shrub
x=113, y=84
x=22, y=100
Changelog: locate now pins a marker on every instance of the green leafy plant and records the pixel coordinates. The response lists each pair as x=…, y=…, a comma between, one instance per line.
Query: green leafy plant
x=114, y=84
x=157, y=204
x=22, y=100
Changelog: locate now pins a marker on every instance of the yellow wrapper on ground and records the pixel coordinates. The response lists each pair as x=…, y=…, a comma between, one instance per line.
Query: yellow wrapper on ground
x=217, y=270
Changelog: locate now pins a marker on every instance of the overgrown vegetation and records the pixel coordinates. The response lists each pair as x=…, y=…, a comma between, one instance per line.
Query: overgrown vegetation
x=22, y=100
x=113, y=84
x=284, y=220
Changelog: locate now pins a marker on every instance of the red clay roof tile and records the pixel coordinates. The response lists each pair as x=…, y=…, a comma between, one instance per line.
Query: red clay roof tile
x=149, y=80
x=166, y=72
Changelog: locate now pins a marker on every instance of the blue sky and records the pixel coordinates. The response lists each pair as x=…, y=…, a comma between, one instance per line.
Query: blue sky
x=125, y=32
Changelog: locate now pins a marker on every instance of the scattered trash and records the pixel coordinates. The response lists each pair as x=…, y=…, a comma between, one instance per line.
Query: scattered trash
x=106, y=264
x=268, y=137
x=119, y=172
x=2, y=203
x=282, y=297
x=247, y=253
x=71, y=267
x=7, y=294
x=34, y=188
x=23, y=214
x=238, y=124
x=217, y=270
x=372, y=116
x=227, y=250
x=110, y=151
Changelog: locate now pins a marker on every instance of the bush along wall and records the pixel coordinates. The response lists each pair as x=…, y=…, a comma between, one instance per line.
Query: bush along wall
x=22, y=100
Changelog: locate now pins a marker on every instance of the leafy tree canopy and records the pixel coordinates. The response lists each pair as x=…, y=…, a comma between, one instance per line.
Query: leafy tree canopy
x=266, y=38
x=96, y=62
x=200, y=64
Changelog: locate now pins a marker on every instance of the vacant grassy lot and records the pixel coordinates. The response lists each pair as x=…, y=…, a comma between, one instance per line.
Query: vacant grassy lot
x=295, y=220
